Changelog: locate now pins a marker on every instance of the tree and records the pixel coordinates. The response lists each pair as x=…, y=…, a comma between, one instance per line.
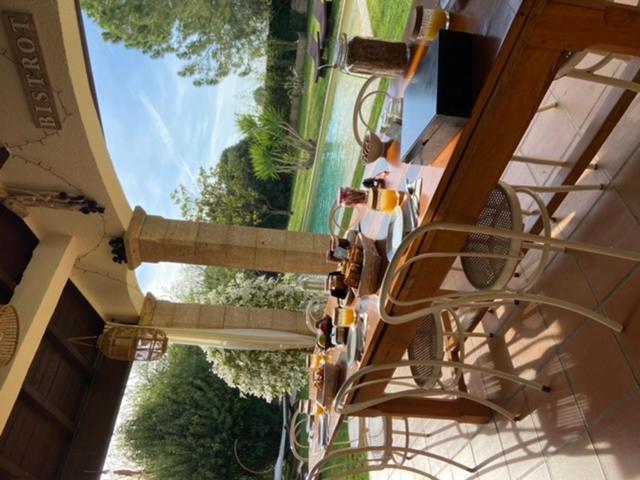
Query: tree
x=260, y=95
x=214, y=37
x=262, y=292
x=276, y=146
x=229, y=193
x=187, y=420
x=263, y=374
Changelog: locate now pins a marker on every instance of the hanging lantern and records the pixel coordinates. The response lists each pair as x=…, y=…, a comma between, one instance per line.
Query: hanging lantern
x=133, y=343
x=8, y=333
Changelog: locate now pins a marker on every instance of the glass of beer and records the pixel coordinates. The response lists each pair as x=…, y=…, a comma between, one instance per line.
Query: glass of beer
x=385, y=200
x=345, y=316
x=316, y=360
x=429, y=22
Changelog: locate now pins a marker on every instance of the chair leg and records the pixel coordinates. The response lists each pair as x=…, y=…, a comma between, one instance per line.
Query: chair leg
x=469, y=334
x=561, y=188
x=544, y=161
x=602, y=79
x=536, y=299
x=548, y=106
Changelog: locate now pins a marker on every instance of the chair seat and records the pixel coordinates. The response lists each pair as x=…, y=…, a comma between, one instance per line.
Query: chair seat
x=486, y=273
x=426, y=345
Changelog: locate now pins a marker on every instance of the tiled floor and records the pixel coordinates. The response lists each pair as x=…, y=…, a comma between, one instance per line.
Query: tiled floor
x=588, y=426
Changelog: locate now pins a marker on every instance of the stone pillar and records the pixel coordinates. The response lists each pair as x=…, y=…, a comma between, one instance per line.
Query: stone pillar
x=163, y=314
x=152, y=238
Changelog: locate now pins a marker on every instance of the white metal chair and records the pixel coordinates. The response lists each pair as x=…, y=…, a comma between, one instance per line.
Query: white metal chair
x=376, y=451
x=335, y=228
x=373, y=147
x=428, y=377
x=493, y=250
x=570, y=69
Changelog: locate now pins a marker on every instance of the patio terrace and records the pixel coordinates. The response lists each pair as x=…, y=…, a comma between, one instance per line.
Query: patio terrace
x=586, y=428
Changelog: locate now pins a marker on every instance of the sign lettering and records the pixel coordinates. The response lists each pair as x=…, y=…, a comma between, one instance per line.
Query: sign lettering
x=23, y=37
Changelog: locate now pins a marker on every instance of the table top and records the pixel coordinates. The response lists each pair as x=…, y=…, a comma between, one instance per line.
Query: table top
x=483, y=17
x=524, y=44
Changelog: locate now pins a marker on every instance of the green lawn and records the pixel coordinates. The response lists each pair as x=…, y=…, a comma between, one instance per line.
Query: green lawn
x=356, y=460
x=388, y=20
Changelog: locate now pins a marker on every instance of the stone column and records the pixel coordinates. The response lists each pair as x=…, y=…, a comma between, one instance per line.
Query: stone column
x=163, y=314
x=152, y=238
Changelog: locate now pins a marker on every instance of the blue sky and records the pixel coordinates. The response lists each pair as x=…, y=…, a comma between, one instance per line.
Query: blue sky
x=160, y=129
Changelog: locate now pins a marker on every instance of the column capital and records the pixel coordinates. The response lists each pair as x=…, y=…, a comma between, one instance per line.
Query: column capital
x=132, y=238
x=148, y=307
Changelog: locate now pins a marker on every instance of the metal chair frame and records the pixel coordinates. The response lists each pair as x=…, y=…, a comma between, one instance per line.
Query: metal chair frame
x=501, y=294
x=379, y=457
x=434, y=386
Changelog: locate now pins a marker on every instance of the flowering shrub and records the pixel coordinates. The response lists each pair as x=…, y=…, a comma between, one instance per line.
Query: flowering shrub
x=262, y=292
x=264, y=374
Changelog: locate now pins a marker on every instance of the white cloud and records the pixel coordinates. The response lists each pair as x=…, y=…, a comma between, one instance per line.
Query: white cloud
x=158, y=123
x=159, y=278
x=166, y=137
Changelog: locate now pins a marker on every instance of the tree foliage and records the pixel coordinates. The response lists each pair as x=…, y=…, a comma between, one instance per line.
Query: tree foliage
x=268, y=374
x=186, y=421
x=262, y=292
x=265, y=375
x=276, y=146
x=213, y=37
x=230, y=193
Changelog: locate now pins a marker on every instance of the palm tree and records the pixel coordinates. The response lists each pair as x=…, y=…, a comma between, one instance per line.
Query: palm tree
x=276, y=146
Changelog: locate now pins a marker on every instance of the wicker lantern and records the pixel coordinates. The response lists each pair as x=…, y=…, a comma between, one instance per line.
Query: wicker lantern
x=133, y=343
x=8, y=333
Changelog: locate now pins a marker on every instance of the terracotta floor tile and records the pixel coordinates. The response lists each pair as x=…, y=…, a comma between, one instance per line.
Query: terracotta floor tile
x=615, y=440
x=497, y=389
x=556, y=415
x=541, y=472
x=529, y=341
x=519, y=439
x=548, y=137
x=464, y=456
x=610, y=224
x=444, y=440
x=487, y=452
x=564, y=280
x=624, y=308
x=544, y=174
x=518, y=173
x=598, y=372
x=492, y=355
x=576, y=461
x=622, y=142
x=626, y=183
x=577, y=97
x=577, y=206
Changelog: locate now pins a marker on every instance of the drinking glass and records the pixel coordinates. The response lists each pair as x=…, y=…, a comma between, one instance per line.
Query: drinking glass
x=345, y=316
x=350, y=197
x=433, y=20
x=385, y=200
x=316, y=360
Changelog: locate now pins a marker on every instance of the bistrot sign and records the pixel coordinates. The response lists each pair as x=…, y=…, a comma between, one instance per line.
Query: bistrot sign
x=23, y=37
